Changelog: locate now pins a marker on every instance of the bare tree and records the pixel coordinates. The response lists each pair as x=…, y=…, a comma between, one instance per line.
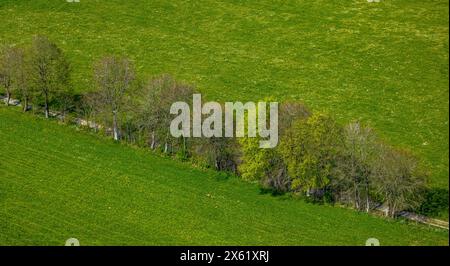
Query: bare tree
x=113, y=77
x=177, y=92
x=50, y=69
x=7, y=62
x=157, y=96
x=399, y=179
x=22, y=76
x=149, y=112
x=354, y=170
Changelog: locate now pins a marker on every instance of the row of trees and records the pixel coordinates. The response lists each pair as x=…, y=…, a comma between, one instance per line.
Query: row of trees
x=319, y=158
x=316, y=157
x=40, y=71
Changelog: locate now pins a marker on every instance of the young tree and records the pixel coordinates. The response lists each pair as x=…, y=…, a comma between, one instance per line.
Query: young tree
x=353, y=173
x=130, y=128
x=113, y=77
x=310, y=149
x=154, y=109
x=22, y=77
x=399, y=179
x=50, y=69
x=7, y=64
x=148, y=110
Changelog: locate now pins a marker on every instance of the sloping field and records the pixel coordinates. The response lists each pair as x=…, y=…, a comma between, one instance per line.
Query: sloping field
x=384, y=63
x=57, y=183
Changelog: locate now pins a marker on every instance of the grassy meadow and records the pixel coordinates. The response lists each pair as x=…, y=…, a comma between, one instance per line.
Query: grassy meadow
x=57, y=183
x=383, y=63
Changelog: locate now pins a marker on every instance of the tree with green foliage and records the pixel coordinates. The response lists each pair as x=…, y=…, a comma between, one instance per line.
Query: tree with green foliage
x=267, y=165
x=50, y=69
x=263, y=165
x=310, y=149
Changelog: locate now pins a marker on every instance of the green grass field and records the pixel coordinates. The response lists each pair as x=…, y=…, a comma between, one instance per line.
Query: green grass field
x=384, y=63
x=57, y=183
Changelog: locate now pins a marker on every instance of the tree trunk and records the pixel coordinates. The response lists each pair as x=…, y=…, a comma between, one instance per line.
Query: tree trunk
x=25, y=104
x=115, y=126
x=367, y=204
x=356, y=196
x=217, y=164
x=46, y=105
x=390, y=209
x=367, y=198
x=184, y=147
x=130, y=134
x=152, y=145
x=106, y=125
x=94, y=121
x=393, y=210
x=166, y=147
x=8, y=97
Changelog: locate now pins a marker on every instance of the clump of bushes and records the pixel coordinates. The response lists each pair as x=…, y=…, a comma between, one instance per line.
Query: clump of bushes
x=435, y=203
